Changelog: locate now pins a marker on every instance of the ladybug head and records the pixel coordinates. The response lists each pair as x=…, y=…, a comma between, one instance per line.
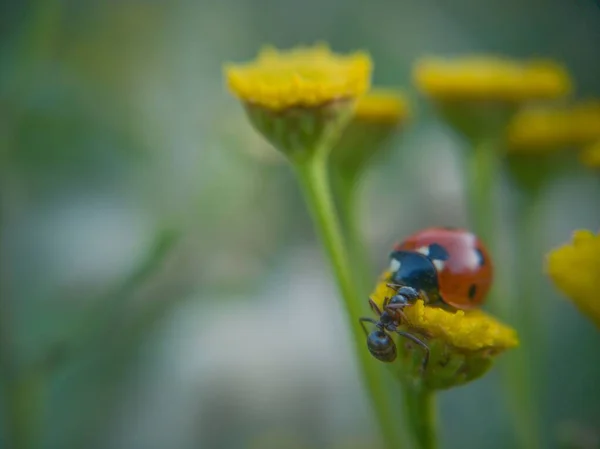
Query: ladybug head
x=415, y=270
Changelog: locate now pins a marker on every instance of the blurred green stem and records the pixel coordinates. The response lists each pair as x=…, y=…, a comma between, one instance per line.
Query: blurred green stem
x=524, y=317
x=421, y=414
x=22, y=387
x=484, y=169
x=346, y=188
x=312, y=175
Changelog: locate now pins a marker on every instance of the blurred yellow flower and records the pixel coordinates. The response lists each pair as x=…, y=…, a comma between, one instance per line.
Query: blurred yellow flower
x=488, y=78
x=590, y=155
x=301, y=77
x=377, y=117
x=384, y=106
x=575, y=270
x=543, y=129
x=467, y=330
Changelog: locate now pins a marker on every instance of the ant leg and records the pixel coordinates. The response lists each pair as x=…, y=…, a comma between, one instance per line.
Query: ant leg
x=420, y=343
x=368, y=320
x=397, y=308
x=374, y=307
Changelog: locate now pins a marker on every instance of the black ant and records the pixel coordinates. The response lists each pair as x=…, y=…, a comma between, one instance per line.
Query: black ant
x=380, y=343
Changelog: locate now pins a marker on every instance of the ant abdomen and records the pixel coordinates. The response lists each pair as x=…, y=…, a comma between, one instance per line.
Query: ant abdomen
x=381, y=346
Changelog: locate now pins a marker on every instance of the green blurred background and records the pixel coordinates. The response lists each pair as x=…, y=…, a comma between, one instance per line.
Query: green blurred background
x=161, y=285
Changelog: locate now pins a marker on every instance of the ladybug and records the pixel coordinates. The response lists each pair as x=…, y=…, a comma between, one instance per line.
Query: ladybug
x=446, y=267
x=456, y=269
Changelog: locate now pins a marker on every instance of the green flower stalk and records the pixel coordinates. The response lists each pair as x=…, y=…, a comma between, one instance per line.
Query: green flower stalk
x=478, y=96
x=377, y=118
x=301, y=100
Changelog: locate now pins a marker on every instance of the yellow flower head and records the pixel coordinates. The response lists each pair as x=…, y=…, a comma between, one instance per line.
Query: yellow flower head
x=486, y=78
x=302, y=77
x=542, y=129
x=462, y=343
x=590, y=155
x=384, y=106
x=575, y=270
x=467, y=330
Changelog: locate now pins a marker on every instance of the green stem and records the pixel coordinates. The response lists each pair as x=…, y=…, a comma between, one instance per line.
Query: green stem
x=346, y=188
x=524, y=316
x=484, y=167
x=312, y=175
x=421, y=414
x=483, y=170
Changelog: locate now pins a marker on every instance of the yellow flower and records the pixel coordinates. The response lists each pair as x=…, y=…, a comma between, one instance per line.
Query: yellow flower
x=487, y=78
x=302, y=77
x=301, y=99
x=538, y=130
x=468, y=330
x=590, y=155
x=462, y=343
x=575, y=270
x=384, y=106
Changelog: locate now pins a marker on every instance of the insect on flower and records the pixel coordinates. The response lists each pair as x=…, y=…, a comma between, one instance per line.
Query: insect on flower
x=445, y=267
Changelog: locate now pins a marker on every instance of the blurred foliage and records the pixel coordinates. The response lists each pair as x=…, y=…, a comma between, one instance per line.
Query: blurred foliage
x=116, y=129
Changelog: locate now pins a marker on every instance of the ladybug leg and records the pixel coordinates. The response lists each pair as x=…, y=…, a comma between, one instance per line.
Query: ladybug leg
x=431, y=302
x=421, y=343
x=364, y=320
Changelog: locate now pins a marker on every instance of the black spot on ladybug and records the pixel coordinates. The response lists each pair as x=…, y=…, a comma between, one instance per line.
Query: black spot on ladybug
x=480, y=257
x=472, y=291
x=438, y=252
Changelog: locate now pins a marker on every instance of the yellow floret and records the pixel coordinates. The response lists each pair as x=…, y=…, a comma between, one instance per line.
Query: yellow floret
x=575, y=270
x=467, y=330
x=301, y=77
x=488, y=78
x=382, y=106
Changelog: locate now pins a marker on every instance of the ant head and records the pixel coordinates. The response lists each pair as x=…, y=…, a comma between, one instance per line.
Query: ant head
x=399, y=299
x=381, y=346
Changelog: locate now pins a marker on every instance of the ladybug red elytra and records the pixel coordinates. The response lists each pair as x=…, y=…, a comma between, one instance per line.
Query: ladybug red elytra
x=464, y=267
x=448, y=267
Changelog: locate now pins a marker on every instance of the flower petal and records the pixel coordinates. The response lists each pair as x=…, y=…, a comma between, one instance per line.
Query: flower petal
x=575, y=270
